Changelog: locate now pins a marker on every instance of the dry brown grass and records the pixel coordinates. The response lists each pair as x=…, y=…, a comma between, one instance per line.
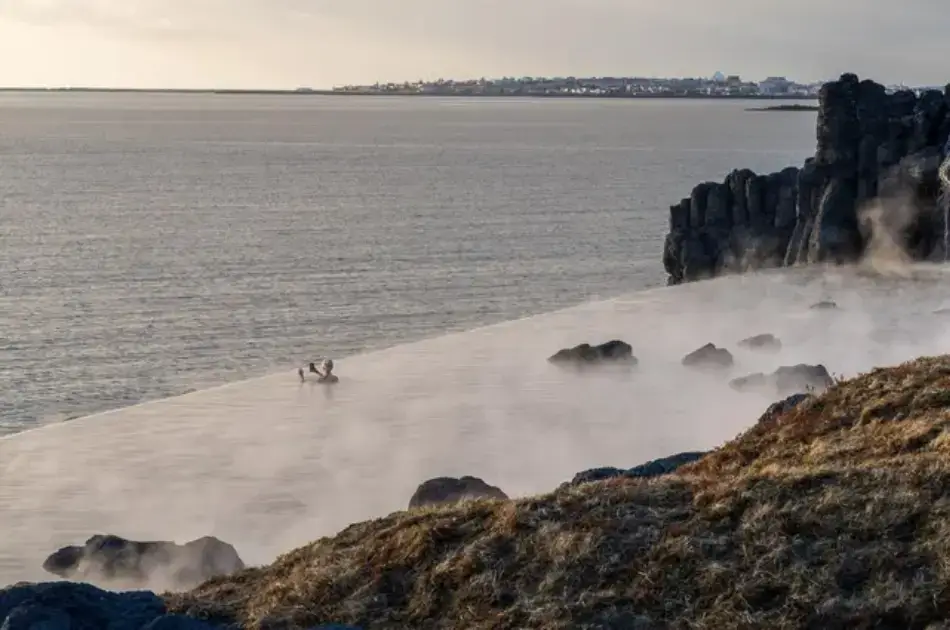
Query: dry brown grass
x=834, y=515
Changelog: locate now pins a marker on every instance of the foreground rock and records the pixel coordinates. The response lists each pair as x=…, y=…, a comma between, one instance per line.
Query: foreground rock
x=654, y=468
x=451, y=490
x=872, y=148
x=709, y=356
x=75, y=606
x=786, y=380
x=106, y=559
x=831, y=515
x=824, y=305
x=765, y=342
x=614, y=352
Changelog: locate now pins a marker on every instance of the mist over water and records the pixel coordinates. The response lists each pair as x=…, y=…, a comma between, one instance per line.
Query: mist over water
x=270, y=464
x=158, y=244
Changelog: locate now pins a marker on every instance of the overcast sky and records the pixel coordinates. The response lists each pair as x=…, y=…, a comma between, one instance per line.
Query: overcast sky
x=321, y=43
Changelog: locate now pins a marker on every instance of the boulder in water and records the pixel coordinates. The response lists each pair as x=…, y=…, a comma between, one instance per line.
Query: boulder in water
x=654, y=468
x=824, y=305
x=786, y=380
x=451, y=490
x=108, y=558
x=766, y=342
x=614, y=351
x=709, y=356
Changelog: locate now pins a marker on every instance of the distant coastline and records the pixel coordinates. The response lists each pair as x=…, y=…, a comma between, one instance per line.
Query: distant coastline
x=309, y=92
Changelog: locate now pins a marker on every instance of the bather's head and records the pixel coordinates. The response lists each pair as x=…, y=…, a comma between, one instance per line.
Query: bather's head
x=327, y=366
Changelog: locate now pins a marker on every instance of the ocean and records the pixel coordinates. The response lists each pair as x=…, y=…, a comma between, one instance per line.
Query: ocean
x=156, y=244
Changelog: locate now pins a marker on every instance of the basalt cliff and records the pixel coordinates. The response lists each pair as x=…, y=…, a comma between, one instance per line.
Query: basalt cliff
x=873, y=180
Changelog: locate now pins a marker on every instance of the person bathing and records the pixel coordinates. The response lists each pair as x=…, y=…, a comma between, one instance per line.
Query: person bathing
x=324, y=372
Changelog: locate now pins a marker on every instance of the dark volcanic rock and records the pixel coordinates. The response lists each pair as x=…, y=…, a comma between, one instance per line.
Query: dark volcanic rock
x=109, y=558
x=614, y=351
x=869, y=145
x=75, y=606
x=786, y=380
x=709, y=356
x=450, y=490
x=654, y=468
x=765, y=341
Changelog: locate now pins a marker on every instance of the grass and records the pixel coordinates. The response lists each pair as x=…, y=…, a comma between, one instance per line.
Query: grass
x=835, y=514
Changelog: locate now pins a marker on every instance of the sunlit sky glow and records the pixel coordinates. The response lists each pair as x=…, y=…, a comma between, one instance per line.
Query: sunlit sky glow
x=321, y=43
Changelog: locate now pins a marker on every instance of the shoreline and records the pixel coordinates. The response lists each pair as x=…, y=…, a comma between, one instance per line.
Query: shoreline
x=307, y=92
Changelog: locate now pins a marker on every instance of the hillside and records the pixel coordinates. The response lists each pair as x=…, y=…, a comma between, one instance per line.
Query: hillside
x=832, y=515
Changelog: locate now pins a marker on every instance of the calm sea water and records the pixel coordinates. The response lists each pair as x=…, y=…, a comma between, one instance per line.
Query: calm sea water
x=155, y=244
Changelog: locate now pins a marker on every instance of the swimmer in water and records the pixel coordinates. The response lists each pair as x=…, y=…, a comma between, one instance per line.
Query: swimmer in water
x=324, y=376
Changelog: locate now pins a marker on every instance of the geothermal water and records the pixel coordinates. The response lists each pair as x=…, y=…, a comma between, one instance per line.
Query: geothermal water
x=270, y=464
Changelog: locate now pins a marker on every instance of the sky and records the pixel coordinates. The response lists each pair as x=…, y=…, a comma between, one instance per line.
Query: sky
x=323, y=43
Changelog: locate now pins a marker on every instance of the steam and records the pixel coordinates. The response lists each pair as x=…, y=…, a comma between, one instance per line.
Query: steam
x=271, y=464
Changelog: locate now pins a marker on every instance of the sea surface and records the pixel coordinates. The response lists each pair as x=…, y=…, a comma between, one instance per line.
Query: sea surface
x=152, y=245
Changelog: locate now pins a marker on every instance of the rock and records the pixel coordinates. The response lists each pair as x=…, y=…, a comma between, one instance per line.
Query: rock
x=708, y=356
x=614, y=351
x=765, y=341
x=654, y=468
x=782, y=407
x=786, y=380
x=108, y=558
x=76, y=606
x=869, y=145
x=450, y=490
x=824, y=305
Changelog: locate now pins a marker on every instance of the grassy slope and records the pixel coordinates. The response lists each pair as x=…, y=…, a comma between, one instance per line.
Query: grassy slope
x=833, y=515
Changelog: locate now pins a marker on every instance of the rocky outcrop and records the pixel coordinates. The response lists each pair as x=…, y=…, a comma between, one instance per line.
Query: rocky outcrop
x=872, y=148
x=708, y=356
x=614, y=351
x=766, y=342
x=77, y=606
x=105, y=559
x=654, y=468
x=786, y=380
x=442, y=490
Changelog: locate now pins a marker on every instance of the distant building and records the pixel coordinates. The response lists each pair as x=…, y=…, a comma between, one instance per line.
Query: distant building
x=775, y=85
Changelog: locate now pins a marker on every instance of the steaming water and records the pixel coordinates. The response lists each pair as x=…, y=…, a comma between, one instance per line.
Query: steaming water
x=151, y=245
x=271, y=463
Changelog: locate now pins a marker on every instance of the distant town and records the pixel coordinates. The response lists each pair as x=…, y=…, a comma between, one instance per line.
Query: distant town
x=718, y=85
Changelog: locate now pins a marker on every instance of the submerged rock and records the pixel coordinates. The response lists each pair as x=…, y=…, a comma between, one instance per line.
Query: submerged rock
x=765, y=341
x=654, y=468
x=824, y=305
x=451, y=490
x=786, y=380
x=110, y=558
x=614, y=351
x=709, y=356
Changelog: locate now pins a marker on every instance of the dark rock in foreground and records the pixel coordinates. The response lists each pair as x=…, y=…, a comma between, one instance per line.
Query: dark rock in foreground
x=765, y=341
x=824, y=305
x=786, y=380
x=109, y=558
x=442, y=490
x=614, y=351
x=654, y=468
x=709, y=356
x=872, y=149
x=70, y=606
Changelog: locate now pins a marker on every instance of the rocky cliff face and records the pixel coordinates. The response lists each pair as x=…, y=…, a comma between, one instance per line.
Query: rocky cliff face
x=873, y=176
